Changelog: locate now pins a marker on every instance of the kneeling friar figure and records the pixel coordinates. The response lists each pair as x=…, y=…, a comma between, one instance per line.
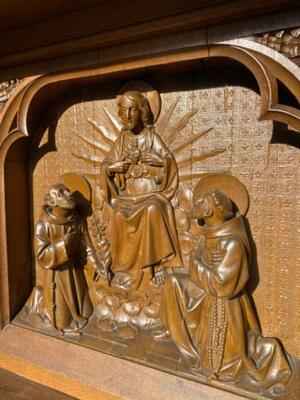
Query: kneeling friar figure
x=208, y=312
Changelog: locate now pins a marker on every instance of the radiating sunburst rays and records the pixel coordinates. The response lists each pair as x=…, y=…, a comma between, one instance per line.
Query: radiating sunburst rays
x=187, y=160
x=107, y=137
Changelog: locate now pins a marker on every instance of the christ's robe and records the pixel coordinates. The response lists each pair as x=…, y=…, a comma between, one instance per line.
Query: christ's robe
x=143, y=224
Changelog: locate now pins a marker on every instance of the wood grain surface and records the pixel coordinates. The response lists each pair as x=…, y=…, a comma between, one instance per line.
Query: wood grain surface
x=89, y=375
x=14, y=387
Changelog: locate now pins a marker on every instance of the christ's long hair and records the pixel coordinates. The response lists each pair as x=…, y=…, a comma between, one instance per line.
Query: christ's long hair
x=143, y=105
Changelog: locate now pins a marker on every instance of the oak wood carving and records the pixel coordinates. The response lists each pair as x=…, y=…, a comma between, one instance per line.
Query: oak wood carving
x=114, y=243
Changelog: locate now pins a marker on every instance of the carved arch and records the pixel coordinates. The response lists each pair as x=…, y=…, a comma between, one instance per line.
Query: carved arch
x=20, y=115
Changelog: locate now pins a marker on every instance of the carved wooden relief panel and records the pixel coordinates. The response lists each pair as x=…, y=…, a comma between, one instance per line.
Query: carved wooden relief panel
x=268, y=170
x=130, y=153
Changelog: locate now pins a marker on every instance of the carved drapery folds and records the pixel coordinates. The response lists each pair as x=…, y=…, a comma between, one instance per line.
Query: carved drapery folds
x=119, y=306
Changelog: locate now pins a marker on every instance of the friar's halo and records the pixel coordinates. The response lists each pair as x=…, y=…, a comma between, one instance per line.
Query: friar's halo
x=80, y=190
x=227, y=184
